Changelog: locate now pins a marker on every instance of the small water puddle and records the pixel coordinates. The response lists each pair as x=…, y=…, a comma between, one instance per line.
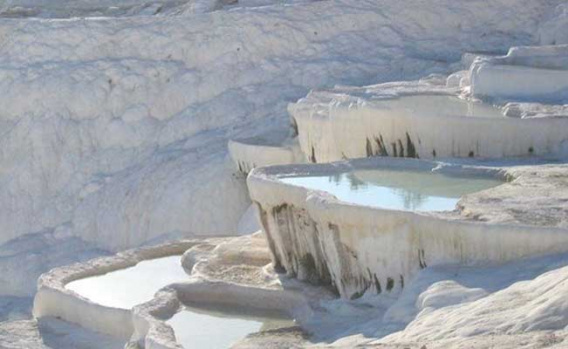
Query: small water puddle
x=218, y=328
x=396, y=189
x=131, y=286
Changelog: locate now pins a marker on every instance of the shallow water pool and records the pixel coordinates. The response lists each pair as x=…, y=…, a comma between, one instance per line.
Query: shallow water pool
x=396, y=189
x=131, y=286
x=437, y=105
x=218, y=329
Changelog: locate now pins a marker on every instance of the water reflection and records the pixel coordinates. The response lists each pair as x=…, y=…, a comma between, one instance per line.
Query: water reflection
x=219, y=328
x=401, y=190
x=126, y=288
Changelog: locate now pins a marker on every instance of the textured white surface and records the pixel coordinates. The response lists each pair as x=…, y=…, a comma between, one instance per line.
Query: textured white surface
x=114, y=130
x=516, y=305
x=360, y=250
x=119, y=126
x=473, y=301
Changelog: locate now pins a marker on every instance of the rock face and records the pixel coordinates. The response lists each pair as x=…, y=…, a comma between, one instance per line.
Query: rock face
x=360, y=250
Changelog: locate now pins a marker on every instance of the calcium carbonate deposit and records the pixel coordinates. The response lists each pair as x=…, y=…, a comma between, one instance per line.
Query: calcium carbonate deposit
x=377, y=173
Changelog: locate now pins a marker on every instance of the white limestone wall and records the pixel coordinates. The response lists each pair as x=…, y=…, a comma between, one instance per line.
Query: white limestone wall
x=342, y=130
x=318, y=238
x=525, y=73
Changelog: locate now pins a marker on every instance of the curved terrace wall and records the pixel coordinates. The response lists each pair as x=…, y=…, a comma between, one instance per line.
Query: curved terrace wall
x=150, y=318
x=53, y=299
x=318, y=238
x=348, y=129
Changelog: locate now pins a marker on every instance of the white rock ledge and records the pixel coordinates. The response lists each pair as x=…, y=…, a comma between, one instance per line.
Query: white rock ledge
x=315, y=237
x=347, y=123
x=538, y=73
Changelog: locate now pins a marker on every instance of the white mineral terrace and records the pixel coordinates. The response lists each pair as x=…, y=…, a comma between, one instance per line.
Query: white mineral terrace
x=145, y=298
x=417, y=120
x=283, y=174
x=318, y=237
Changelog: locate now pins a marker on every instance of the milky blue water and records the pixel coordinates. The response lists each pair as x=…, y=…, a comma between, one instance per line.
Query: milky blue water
x=207, y=329
x=131, y=286
x=437, y=105
x=398, y=190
